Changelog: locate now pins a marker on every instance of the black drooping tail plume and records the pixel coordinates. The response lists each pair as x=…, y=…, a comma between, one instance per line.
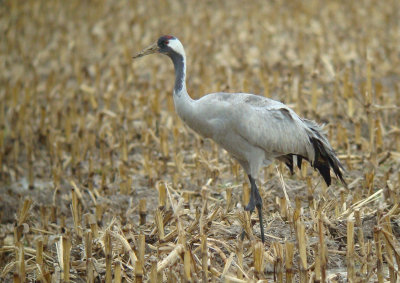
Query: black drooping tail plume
x=325, y=157
x=289, y=161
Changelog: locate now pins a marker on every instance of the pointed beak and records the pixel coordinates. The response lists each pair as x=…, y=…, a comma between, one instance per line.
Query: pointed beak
x=149, y=50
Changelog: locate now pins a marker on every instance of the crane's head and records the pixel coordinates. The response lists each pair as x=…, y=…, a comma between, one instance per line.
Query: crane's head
x=166, y=44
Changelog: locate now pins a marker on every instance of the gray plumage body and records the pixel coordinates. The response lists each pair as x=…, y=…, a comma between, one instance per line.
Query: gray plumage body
x=255, y=130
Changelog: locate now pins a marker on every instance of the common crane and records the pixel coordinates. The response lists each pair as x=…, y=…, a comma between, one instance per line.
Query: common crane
x=255, y=130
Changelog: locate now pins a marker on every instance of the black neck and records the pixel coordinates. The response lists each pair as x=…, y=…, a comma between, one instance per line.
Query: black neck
x=180, y=72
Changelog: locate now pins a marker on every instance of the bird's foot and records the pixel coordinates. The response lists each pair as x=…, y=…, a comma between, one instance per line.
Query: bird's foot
x=250, y=206
x=253, y=204
x=242, y=235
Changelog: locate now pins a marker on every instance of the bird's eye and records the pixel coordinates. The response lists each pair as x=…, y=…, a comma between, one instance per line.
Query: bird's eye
x=166, y=42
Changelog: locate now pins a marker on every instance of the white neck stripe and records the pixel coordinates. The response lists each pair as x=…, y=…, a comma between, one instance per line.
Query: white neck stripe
x=177, y=46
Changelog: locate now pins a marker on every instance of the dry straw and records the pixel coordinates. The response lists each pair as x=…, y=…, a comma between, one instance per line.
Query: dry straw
x=101, y=182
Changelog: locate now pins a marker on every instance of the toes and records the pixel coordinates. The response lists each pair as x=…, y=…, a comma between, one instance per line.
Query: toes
x=258, y=203
x=249, y=207
x=242, y=235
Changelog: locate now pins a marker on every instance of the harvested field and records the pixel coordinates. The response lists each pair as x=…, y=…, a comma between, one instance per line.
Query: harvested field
x=100, y=181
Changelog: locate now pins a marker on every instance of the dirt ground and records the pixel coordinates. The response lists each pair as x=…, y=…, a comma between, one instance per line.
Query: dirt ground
x=100, y=180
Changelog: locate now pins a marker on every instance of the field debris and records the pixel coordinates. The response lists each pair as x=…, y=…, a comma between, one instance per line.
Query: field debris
x=101, y=182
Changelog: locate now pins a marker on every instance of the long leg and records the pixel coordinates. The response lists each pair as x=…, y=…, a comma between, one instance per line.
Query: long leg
x=256, y=201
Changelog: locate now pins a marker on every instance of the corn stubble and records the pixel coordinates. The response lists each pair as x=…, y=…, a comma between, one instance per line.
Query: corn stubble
x=100, y=180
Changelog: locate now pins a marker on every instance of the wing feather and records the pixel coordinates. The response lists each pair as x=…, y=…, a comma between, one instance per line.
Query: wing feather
x=262, y=123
